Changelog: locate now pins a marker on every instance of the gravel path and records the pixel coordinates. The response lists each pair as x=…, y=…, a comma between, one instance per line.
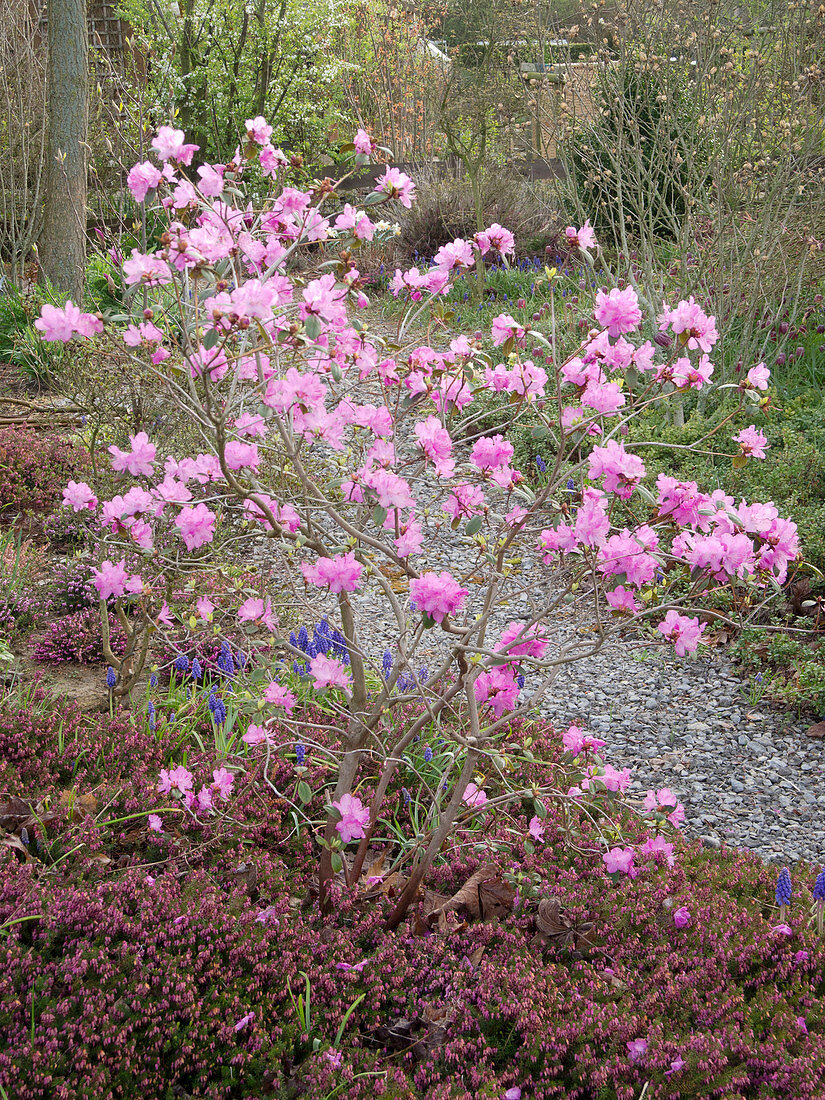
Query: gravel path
x=747, y=774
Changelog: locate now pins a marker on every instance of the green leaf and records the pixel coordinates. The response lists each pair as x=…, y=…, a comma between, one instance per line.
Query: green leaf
x=312, y=327
x=473, y=526
x=540, y=808
x=304, y=793
x=739, y=461
x=210, y=339
x=529, y=848
x=374, y=197
x=379, y=514
x=337, y=862
x=539, y=433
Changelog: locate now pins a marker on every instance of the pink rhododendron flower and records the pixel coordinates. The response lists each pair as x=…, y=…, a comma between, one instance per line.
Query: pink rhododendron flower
x=618, y=311
x=169, y=144
x=681, y=917
x=155, y=823
x=506, y=328
x=622, y=599
x=782, y=930
x=222, y=782
x=491, y=451
x=339, y=574
x=147, y=270
x=78, y=496
x=279, y=696
x=142, y=179
x=685, y=375
x=689, y=321
x=536, y=829
x=496, y=237
x=677, y=1064
x=684, y=633
x=141, y=458
x=513, y=1094
x=498, y=688
x=145, y=332
x=239, y=456
x=434, y=440
x=211, y=180
x=329, y=672
x=178, y=779
x=256, y=735
x=437, y=594
x=621, y=860
x=258, y=130
x=458, y=253
x=752, y=442
x=636, y=1050
x=581, y=238
x=758, y=377
x=244, y=1020
x=621, y=471
x=60, y=324
x=196, y=526
x=355, y=817
x=205, y=608
x=592, y=520
x=575, y=740
x=474, y=796
x=111, y=579
x=397, y=185
x=532, y=640
x=464, y=501
x=363, y=142
x=254, y=610
x=657, y=846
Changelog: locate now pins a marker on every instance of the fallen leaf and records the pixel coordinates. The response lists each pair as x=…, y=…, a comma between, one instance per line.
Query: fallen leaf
x=484, y=895
x=554, y=926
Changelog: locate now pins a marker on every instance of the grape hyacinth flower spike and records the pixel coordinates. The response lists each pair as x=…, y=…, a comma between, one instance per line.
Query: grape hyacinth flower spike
x=111, y=677
x=783, y=893
x=819, y=898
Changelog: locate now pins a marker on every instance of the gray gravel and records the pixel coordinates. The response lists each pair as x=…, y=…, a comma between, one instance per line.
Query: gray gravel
x=747, y=774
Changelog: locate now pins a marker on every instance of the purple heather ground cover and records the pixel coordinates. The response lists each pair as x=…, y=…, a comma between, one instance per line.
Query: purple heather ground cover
x=164, y=965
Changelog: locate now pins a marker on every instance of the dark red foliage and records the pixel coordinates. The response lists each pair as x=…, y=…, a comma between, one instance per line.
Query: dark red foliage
x=133, y=974
x=34, y=467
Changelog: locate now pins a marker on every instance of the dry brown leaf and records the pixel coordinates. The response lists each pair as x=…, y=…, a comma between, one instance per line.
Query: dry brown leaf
x=554, y=926
x=484, y=895
x=18, y=847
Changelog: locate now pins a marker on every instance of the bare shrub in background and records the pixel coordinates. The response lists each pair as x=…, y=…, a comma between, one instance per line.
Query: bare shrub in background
x=22, y=134
x=705, y=146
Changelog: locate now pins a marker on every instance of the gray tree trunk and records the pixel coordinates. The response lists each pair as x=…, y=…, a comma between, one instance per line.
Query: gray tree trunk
x=62, y=244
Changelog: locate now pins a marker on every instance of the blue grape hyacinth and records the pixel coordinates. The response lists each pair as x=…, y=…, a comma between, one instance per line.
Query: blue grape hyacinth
x=783, y=887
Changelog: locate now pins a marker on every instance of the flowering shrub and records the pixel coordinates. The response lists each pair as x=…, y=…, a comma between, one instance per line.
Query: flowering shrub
x=34, y=467
x=77, y=637
x=270, y=365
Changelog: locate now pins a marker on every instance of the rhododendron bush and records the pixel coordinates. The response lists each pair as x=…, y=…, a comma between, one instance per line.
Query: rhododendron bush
x=350, y=458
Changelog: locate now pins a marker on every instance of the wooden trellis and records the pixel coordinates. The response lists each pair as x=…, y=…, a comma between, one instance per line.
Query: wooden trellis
x=106, y=30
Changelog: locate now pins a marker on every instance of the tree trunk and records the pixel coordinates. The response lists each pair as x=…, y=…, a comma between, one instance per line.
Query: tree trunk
x=62, y=245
